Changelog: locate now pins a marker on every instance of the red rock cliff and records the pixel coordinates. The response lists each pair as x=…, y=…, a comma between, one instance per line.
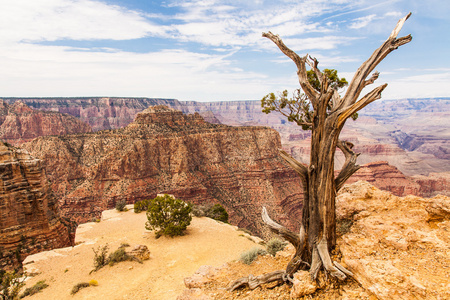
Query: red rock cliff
x=29, y=216
x=164, y=151
x=19, y=123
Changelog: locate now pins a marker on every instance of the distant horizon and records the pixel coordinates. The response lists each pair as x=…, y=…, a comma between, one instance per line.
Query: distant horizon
x=160, y=98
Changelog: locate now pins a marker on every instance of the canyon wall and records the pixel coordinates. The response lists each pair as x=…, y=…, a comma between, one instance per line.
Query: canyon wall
x=19, y=123
x=99, y=112
x=29, y=216
x=165, y=151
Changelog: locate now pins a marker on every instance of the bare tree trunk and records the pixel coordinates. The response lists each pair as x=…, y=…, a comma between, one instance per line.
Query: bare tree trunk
x=317, y=235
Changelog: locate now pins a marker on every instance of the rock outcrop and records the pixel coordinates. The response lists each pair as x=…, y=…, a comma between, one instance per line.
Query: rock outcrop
x=386, y=177
x=165, y=151
x=29, y=216
x=19, y=123
x=433, y=184
x=397, y=248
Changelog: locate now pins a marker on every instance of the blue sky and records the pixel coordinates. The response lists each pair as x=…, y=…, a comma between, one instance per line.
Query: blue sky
x=212, y=50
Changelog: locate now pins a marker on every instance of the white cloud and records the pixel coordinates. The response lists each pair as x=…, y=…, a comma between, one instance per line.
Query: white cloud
x=32, y=70
x=50, y=20
x=361, y=22
x=418, y=86
x=321, y=43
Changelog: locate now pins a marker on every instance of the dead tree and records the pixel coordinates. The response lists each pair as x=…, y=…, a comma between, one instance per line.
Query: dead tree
x=317, y=236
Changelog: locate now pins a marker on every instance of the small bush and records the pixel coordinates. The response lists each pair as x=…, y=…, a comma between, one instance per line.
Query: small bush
x=40, y=285
x=249, y=256
x=168, y=216
x=10, y=284
x=120, y=205
x=216, y=212
x=140, y=206
x=120, y=255
x=274, y=245
x=93, y=282
x=100, y=257
x=78, y=287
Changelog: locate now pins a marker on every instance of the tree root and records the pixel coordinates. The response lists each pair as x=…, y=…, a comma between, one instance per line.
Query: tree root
x=322, y=248
x=320, y=257
x=253, y=282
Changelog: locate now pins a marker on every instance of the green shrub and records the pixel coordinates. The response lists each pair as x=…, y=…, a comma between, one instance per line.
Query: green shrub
x=249, y=256
x=121, y=255
x=10, y=284
x=168, y=216
x=216, y=212
x=141, y=205
x=274, y=245
x=36, y=288
x=78, y=287
x=121, y=205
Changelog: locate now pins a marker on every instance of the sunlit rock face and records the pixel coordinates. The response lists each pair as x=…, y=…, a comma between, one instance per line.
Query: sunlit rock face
x=396, y=247
x=165, y=151
x=29, y=215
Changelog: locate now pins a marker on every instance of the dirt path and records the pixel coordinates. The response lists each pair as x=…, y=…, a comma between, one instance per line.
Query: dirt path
x=207, y=242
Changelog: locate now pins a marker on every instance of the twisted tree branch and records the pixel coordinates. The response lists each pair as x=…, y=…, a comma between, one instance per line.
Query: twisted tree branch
x=293, y=238
x=358, y=82
x=349, y=167
x=300, y=62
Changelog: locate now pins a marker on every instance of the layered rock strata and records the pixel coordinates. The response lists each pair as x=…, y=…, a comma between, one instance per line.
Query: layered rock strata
x=388, y=178
x=164, y=151
x=19, y=123
x=410, y=134
x=29, y=216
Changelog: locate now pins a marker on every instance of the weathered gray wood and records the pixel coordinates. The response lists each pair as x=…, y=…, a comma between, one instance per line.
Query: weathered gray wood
x=318, y=225
x=254, y=281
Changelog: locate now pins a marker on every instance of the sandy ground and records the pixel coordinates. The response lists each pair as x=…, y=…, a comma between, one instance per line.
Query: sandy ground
x=207, y=242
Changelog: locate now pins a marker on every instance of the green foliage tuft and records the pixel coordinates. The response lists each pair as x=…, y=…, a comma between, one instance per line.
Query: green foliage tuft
x=274, y=245
x=168, y=216
x=78, y=287
x=331, y=75
x=297, y=108
x=36, y=288
x=249, y=256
